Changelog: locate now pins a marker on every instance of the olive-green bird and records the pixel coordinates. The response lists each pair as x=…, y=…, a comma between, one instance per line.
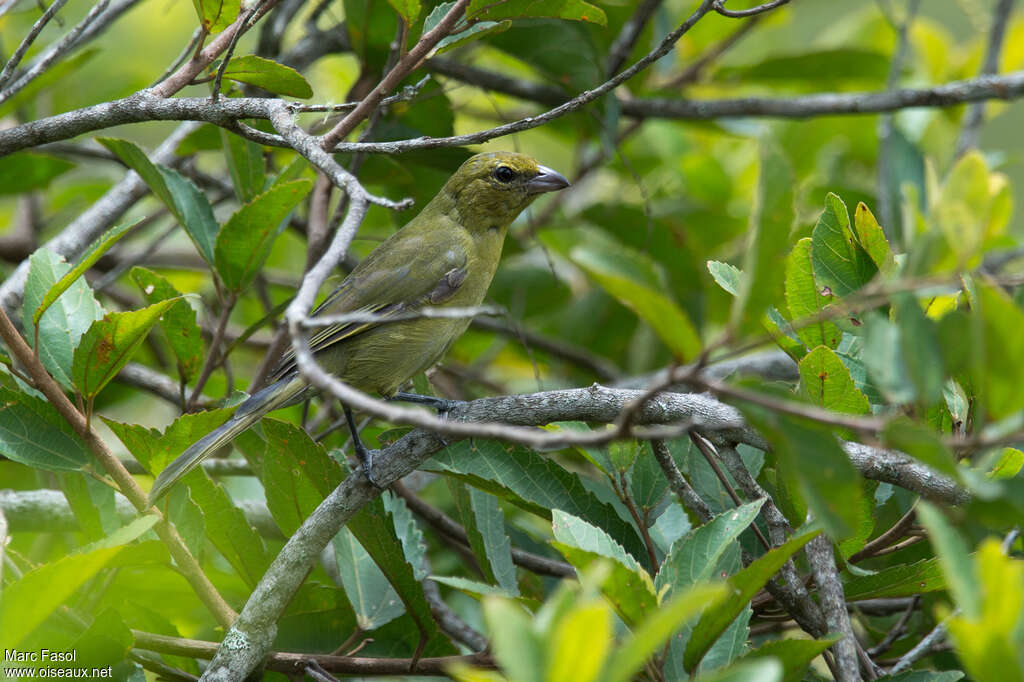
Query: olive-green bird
x=445, y=256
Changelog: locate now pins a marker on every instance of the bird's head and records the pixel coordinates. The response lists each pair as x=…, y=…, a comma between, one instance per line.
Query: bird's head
x=489, y=190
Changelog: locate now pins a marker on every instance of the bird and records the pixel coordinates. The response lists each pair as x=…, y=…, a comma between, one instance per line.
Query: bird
x=445, y=256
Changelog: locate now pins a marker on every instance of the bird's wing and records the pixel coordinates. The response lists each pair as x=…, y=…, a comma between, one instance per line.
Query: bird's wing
x=414, y=274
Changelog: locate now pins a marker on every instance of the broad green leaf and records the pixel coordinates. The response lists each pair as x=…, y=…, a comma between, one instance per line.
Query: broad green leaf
x=694, y=556
x=485, y=525
x=471, y=587
x=466, y=34
x=580, y=643
x=997, y=374
x=764, y=670
x=109, y=344
x=742, y=587
x=872, y=238
x=921, y=351
x=989, y=644
x=245, y=164
x=809, y=452
x=98, y=248
x=373, y=599
x=805, y=300
x=26, y=171
x=576, y=10
x=518, y=649
x=297, y=474
x=33, y=433
x=883, y=360
x=902, y=580
x=409, y=10
x=410, y=536
x=245, y=240
x=827, y=382
x=625, y=274
x=647, y=484
x=962, y=580
x=534, y=483
x=770, y=222
x=726, y=276
x=1008, y=465
x=216, y=15
x=178, y=321
x=269, y=75
x=630, y=657
x=628, y=587
x=62, y=325
x=93, y=504
x=840, y=263
x=30, y=600
x=795, y=655
x=922, y=443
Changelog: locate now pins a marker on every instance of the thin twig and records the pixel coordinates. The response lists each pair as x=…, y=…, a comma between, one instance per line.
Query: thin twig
x=975, y=115
x=744, y=13
x=30, y=37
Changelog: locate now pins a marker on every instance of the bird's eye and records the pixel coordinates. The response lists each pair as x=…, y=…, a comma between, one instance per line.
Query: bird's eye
x=504, y=174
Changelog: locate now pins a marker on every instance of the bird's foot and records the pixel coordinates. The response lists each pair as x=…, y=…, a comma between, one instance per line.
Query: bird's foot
x=442, y=405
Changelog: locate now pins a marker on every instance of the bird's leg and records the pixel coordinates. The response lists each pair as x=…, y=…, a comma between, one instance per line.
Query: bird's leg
x=442, y=405
x=365, y=458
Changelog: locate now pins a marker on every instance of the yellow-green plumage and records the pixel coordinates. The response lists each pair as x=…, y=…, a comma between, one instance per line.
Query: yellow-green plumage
x=445, y=256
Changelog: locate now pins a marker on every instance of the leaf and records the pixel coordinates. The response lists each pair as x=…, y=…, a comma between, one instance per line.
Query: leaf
x=178, y=321
x=795, y=655
x=962, y=580
x=216, y=15
x=872, y=238
x=840, y=264
x=630, y=657
x=182, y=198
x=373, y=599
x=534, y=483
x=922, y=443
x=269, y=75
x=244, y=242
x=629, y=587
x=109, y=344
x=628, y=276
x=897, y=581
x=829, y=65
x=827, y=382
x=517, y=648
x=576, y=10
x=770, y=222
x=297, y=474
x=62, y=325
x=763, y=670
x=245, y=164
x=474, y=31
x=995, y=370
x=742, y=587
x=98, y=248
x=726, y=276
x=921, y=351
x=409, y=10
x=805, y=300
x=488, y=538
x=580, y=643
x=93, y=504
x=33, y=433
x=26, y=171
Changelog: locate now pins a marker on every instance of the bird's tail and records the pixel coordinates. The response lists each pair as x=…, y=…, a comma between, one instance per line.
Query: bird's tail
x=279, y=394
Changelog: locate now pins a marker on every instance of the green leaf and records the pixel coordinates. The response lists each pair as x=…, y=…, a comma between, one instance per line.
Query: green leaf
x=109, y=344
x=921, y=351
x=373, y=599
x=471, y=587
x=297, y=474
x=24, y=172
x=485, y=525
x=742, y=587
x=517, y=648
x=961, y=578
x=630, y=277
x=830, y=65
x=244, y=242
x=576, y=10
x=474, y=31
x=62, y=325
x=98, y=248
x=770, y=223
x=922, y=443
x=245, y=164
x=726, y=276
x=30, y=600
x=629, y=587
x=93, y=504
x=580, y=643
x=897, y=581
x=1008, y=465
x=532, y=482
x=997, y=374
x=764, y=670
x=647, y=484
x=809, y=452
x=216, y=15
x=805, y=300
x=33, y=433
x=840, y=264
x=872, y=238
x=630, y=657
x=182, y=198
x=883, y=360
x=269, y=75
x=827, y=382
x=409, y=10
x=179, y=321
x=795, y=655
x=694, y=556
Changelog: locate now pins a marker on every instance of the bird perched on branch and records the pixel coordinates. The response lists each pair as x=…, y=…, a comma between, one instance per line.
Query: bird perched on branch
x=445, y=256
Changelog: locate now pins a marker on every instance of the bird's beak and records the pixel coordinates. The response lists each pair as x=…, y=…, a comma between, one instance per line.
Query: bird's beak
x=546, y=180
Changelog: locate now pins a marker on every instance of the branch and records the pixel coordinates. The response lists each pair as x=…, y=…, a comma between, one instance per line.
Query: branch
x=743, y=13
x=833, y=604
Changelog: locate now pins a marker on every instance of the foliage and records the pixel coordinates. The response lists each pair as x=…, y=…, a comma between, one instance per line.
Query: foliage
x=629, y=550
